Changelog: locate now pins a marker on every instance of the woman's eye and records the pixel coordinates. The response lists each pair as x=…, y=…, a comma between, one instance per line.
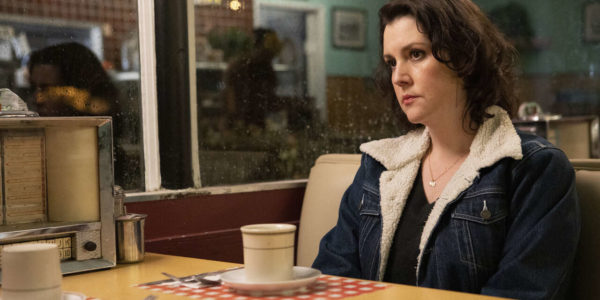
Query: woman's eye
x=417, y=54
x=390, y=63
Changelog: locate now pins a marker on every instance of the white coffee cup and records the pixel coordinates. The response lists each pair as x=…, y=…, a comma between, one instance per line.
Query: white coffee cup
x=268, y=252
x=31, y=271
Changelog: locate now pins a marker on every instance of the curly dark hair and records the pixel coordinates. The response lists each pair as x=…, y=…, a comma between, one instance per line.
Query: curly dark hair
x=464, y=39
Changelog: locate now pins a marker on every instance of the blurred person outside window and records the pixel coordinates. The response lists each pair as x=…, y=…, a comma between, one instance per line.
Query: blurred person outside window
x=69, y=80
x=251, y=81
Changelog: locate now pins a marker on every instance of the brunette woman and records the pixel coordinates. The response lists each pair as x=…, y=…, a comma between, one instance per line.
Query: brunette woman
x=463, y=201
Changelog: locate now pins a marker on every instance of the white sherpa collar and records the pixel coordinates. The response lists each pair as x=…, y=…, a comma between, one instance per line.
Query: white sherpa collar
x=496, y=139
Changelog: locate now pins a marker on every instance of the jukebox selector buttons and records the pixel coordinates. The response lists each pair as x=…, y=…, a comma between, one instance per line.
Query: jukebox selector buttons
x=90, y=246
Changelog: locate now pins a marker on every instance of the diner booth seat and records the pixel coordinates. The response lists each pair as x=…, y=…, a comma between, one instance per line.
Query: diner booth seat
x=329, y=178
x=586, y=274
x=333, y=173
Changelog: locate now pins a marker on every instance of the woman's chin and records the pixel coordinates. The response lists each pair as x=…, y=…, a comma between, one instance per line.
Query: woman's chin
x=413, y=119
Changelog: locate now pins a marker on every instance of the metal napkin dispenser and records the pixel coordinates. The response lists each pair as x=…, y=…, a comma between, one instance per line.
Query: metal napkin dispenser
x=57, y=187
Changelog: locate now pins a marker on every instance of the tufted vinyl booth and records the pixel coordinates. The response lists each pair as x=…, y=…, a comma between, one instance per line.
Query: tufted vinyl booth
x=333, y=173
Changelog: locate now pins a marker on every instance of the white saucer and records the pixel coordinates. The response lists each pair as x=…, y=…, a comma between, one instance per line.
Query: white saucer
x=303, y=276
x=70, y=296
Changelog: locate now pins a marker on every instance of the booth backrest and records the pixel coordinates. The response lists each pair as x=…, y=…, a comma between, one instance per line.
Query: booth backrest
x=333, y=173
x=328, y=180
x=586, y=274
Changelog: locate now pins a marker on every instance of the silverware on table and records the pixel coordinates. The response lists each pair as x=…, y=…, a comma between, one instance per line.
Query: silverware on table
x=205, y=280
x=185, y=281
x=199, y=278
x=203, y=277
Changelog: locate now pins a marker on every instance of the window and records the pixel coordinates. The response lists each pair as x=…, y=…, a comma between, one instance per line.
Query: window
x=267, y=90
x=274, y=93
x=86, y=50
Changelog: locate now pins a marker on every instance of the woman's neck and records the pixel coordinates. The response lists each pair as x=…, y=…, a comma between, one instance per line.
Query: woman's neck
x=450, y=140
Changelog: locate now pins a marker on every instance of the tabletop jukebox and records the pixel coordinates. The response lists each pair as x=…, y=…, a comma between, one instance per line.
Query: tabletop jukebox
x=57, y=187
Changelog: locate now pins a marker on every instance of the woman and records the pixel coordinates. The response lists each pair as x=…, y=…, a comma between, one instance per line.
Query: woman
x=68, y=79
x=463, y=201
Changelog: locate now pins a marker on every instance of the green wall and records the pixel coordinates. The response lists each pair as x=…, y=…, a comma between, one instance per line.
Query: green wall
x=348, y=62
x=558, y=27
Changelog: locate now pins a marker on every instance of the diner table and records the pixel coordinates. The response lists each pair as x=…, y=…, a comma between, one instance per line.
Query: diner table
x=123, y=282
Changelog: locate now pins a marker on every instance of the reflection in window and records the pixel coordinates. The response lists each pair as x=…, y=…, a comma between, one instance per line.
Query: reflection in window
x=260, y=116
x=260, y=120
x=78, y=58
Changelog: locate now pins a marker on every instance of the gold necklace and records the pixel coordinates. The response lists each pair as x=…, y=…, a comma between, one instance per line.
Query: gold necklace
x=433, y=180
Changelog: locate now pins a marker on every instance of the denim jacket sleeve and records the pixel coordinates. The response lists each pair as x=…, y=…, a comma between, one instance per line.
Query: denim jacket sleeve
x=338, y=249
x=545, y=222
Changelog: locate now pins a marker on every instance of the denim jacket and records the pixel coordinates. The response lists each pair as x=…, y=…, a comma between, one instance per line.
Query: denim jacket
x=522, y=247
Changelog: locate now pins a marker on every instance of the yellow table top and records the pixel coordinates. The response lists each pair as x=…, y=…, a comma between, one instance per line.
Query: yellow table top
x=119, y=282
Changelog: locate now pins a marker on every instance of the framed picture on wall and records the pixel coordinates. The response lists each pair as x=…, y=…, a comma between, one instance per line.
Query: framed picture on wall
x=591, y=22
x=348, y=27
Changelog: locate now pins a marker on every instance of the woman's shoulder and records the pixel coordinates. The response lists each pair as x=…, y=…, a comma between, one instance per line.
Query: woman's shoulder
x=539, y=151
x=531, y=143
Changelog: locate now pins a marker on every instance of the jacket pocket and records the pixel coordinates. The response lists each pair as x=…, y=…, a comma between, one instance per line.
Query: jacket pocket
x=479, y=222
x=369, y=232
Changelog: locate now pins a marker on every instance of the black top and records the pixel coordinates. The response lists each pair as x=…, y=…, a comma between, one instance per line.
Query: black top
x=402, y=261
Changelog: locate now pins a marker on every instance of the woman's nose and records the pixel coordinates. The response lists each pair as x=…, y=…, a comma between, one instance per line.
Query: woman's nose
x=400, y=76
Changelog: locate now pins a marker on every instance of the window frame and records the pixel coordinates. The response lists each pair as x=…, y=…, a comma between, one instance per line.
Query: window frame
x=148, y=93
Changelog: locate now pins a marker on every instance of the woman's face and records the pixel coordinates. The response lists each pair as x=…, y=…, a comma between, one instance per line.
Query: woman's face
x=428, y=91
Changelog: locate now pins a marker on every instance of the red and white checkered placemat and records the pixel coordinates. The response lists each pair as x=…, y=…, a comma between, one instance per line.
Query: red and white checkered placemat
x=326, y=287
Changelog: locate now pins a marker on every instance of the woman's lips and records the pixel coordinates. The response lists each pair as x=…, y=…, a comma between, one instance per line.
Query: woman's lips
x=408, y=99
